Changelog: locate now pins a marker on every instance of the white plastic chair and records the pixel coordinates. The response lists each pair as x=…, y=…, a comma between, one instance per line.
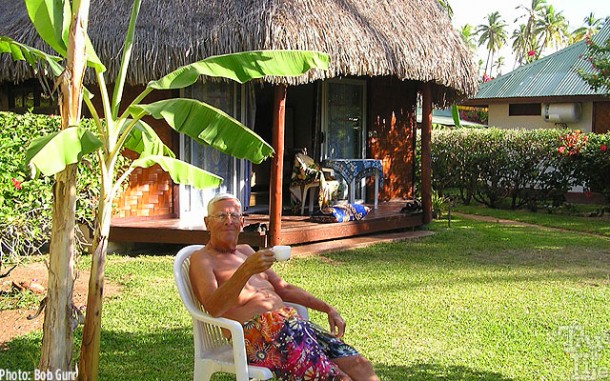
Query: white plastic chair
x=213, y=351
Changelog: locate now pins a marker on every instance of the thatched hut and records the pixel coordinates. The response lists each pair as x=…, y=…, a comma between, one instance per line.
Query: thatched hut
x=385, y=54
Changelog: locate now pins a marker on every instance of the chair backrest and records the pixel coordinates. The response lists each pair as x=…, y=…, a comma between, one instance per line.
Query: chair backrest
x=305, y=169
x=206, y=337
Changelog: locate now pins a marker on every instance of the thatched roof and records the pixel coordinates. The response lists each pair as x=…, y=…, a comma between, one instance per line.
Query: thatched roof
x=408, y=39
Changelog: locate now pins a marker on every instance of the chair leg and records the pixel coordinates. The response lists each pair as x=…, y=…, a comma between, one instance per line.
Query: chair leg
x=303, y=198
x=203, y=373
x=312, y=193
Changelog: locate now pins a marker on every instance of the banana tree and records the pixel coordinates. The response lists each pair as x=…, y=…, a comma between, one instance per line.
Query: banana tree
x=116, y=131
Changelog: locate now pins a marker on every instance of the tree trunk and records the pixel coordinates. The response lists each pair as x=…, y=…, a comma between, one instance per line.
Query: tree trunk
x=90, y=348
x=56, y=352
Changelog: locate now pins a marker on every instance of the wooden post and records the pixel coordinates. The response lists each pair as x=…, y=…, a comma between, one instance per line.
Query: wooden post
x=426, y=153
x=277, y=165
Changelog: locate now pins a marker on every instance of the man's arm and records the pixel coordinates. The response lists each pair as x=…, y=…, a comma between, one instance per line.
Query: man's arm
x=218, y=300
x=294, y=294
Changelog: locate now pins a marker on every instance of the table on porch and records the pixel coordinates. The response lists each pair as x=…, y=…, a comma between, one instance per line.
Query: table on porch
x=355, y=169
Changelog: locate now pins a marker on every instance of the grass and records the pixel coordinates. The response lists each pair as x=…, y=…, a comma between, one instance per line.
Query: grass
x=560, y=219
x=477, y=301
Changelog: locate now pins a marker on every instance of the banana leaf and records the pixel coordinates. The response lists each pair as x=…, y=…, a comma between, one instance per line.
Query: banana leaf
x=245, y=66
x=181, y=172
x=50, y=154
x=208, y=125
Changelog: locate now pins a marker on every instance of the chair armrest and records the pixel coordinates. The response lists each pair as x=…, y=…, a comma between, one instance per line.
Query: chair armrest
x=328, y=172
x=221, y=322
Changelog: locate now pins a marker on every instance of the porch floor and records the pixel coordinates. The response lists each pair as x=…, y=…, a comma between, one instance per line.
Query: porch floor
x=296, y=230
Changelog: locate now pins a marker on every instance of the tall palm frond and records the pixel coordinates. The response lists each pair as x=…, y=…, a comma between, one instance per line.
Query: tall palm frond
x=528, y=36
x=591, y=25
x=551, y=29
x=468, y=36
x=493, y=36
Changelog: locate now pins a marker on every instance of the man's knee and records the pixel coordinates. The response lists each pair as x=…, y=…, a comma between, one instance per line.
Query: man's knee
x=355, y=365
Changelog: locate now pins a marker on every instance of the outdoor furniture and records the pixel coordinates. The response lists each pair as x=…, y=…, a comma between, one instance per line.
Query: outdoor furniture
x=307, y=176
x=352, y=170
x=213, y=351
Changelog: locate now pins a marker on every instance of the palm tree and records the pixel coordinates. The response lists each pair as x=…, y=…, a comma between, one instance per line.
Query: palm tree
x=499, y=64
x=527, y=36
x=551, y=29
x=492, y=35
x=520, y=44
x=467, y=35
x=591, y=25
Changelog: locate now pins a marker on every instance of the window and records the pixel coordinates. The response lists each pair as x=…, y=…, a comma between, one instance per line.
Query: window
x=522, y=109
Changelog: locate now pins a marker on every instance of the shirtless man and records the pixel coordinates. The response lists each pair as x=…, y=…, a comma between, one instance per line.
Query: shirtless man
x=235, y=282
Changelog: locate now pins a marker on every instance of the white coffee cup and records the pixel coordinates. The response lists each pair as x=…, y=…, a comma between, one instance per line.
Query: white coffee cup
x=281, y=253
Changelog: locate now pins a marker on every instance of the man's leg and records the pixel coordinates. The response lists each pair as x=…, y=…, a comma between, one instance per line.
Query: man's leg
x=357, y=368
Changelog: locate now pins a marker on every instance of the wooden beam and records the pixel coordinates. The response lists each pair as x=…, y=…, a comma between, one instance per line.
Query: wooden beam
x=426, y=152
x=277, y=164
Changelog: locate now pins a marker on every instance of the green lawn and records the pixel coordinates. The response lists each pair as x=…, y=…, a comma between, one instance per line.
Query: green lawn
x=477, y=301
x=560, y=218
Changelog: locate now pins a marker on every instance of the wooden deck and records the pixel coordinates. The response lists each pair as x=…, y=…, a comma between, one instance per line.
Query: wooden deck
x=295, y=229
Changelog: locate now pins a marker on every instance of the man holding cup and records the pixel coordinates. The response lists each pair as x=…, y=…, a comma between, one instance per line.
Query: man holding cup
x=236, y=282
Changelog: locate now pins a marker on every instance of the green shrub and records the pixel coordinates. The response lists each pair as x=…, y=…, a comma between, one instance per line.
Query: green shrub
x=496, y=166
x=26, y=203
x=588, y=156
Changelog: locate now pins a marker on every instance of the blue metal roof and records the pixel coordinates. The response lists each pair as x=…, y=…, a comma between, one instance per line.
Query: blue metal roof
x=553, y=75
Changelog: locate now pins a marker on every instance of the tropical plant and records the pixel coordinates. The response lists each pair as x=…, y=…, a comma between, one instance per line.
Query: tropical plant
x=499, y=64
x=116, y=131
x=598, y=55
x=551, y=28
x=467, y=35
x=524, y=39
x=493, y=36
x=519, y=44
x=591, y=25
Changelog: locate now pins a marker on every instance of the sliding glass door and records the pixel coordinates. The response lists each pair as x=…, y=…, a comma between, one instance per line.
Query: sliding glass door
x=344, y=115
x=193, y=202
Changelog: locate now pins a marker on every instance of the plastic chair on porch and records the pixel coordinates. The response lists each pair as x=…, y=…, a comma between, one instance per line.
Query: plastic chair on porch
x=307, y=176
x=213, y=351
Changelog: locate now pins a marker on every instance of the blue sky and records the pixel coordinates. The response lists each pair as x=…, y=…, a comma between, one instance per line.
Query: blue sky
x=474, y=12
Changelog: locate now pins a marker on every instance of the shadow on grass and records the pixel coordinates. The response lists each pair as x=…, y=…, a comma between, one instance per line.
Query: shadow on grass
x=168, y=355
x=434, y=372
x=165, y=355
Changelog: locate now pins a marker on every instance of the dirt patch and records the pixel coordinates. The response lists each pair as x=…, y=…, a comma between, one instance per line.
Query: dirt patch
x=14, y=323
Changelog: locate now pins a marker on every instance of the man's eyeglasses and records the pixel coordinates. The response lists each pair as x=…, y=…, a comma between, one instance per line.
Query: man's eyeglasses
x=224, y=216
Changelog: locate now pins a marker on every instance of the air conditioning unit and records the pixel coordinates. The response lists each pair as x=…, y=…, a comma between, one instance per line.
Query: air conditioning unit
x=561, y=112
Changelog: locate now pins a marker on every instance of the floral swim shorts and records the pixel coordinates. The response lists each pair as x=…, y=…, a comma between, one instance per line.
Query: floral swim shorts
x=294, y=349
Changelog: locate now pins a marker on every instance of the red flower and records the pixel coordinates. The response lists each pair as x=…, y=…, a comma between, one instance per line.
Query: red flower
x=561, y=150
x=531, y=53
x=603, y=148
x=16, y=183
x=486, y=78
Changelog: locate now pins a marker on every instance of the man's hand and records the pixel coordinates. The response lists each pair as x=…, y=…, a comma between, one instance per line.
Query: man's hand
x=259, y=262
x=336, y=322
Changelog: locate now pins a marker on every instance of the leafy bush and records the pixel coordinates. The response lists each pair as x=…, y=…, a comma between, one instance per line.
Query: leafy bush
x=26, y=203
x=588, y=156
x=494, y=165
